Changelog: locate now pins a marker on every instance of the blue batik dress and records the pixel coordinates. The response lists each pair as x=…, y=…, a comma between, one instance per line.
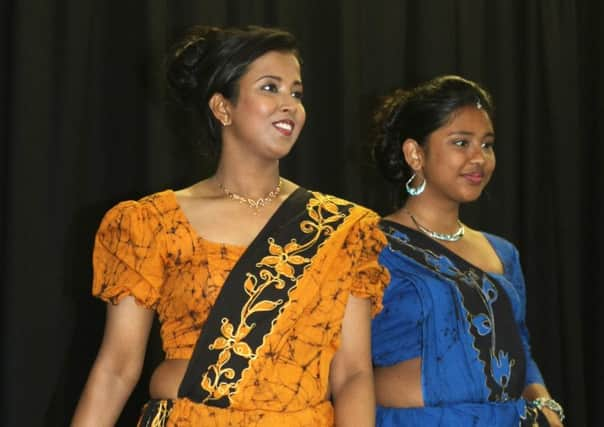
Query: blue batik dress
x=466, y=325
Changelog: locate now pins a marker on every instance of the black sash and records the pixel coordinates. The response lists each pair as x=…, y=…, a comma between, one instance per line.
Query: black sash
x=488, y=310
x=255, y=293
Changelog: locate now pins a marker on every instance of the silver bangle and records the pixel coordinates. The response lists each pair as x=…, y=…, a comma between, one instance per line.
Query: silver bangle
x=549, y=403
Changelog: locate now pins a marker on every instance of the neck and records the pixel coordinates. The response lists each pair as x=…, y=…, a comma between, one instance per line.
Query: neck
x=441, y=217
x=248, y=180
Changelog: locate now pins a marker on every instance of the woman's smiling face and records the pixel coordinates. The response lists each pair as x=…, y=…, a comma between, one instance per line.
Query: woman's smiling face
x=267, y=116
x=459, y=156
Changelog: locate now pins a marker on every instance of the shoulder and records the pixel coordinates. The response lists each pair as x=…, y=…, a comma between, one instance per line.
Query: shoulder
x=510, y=257
x=148, y=211
x=156, y=202
x=502, y=246
x=160, y=202
x=359, y=227
x=357, y=211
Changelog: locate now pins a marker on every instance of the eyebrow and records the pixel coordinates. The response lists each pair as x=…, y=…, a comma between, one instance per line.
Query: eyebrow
x=466, y=133
x=279, y=79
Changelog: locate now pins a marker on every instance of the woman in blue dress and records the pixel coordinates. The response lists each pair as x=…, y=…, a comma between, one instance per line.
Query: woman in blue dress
x=450, y=347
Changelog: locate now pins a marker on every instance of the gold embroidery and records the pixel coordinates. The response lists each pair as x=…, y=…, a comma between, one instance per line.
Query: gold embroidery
x=283, y=258
x=160, y=418
x=324, y=216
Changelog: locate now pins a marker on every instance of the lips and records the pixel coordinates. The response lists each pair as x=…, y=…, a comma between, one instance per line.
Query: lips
x=285, y=127
x=474, y=177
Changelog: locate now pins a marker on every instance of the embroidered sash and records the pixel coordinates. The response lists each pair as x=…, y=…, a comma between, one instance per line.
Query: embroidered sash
x=255, y=293
x=484, y=304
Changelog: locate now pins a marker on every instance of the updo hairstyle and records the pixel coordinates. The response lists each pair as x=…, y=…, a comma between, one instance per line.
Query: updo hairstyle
x=209, y=60
x=415, y=114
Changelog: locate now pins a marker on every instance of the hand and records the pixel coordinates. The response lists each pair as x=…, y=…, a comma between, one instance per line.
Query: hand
x=552, y=418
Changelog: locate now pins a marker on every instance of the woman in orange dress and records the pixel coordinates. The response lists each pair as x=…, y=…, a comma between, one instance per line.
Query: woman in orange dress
x=264, y=290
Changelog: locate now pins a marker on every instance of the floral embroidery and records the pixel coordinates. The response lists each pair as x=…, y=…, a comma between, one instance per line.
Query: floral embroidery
x=282, y=258
x=280, y=270
x=482, y=324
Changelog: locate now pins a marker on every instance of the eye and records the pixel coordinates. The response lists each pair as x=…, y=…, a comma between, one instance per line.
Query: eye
x=460, y=143
x=270, y=87
x=488, y=146
x=298, y=94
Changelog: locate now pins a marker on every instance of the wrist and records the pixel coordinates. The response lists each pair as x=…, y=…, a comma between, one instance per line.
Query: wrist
x=548, y=406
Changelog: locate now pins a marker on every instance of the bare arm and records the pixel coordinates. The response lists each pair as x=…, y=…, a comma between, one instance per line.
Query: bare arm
x=351, y=374
x=118, y=365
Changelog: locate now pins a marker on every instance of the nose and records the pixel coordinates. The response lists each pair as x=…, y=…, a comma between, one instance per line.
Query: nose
x=288, y=103
x=477, y=155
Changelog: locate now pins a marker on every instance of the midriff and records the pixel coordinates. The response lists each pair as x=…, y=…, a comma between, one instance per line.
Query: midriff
x=166, y=379
x=400, y=385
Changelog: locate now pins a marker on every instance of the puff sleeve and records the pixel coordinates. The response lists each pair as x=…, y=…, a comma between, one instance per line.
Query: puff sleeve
x=363, y=245
x=127, y=256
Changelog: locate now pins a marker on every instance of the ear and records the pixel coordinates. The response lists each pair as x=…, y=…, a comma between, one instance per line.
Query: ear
x=413, y=153
x=220, y=107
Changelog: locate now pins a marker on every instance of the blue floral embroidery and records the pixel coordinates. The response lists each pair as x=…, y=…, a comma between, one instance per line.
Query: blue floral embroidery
x=489, y=290
x=483, y=322
x=501, y=370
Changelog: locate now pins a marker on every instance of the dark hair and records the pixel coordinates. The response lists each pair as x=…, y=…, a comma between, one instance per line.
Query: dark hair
x=209, y=60
x=415, y=114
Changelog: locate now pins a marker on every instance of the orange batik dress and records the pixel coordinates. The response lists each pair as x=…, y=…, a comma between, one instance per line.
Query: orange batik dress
x=259, y=325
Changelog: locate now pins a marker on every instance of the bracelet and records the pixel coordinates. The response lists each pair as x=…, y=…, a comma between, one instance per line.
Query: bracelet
x=546, y=402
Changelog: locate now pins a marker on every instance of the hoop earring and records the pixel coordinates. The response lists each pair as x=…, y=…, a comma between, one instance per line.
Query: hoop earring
x=417, y=190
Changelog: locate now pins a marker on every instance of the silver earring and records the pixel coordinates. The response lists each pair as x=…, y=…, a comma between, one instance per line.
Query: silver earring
x=417, y=190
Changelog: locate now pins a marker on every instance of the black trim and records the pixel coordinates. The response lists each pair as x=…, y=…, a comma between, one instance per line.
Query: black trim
x=283, y=227
x=470, y=282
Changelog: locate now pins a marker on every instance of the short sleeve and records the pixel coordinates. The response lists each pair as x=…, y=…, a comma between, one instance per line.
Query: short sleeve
x=127, y=256
x=368, y=277
x=533, y=374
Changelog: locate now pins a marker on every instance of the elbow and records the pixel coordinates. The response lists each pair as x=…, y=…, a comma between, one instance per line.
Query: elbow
x=128, y=373
x=362, y=378
x=125, y=371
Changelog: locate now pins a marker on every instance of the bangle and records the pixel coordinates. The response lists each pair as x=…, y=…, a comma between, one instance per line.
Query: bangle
x=546, y=402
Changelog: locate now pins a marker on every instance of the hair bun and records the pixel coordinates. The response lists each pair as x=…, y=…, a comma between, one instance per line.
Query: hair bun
x=386, y=136
x=186, y=59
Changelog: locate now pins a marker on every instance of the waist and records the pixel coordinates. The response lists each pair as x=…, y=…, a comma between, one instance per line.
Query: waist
x=166, y=379
x=400, y=385
x=168, y=376
x=487, y=414
x=320, y=415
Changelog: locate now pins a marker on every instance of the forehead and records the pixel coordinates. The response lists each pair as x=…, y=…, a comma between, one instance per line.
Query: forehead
x=279, y=64
x=468, y=118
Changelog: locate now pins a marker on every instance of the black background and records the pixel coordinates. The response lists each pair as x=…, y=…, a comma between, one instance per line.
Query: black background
x=83, y=125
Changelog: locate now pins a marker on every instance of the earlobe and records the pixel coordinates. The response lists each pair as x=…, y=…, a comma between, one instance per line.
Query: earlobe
x=220, y=108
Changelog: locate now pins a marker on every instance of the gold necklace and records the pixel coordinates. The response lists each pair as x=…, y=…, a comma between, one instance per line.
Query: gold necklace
x=453, y=237
x=255, y=204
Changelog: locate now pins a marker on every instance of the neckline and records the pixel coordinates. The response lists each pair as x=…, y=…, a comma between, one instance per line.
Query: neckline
x=449, y=252
x=197, y=236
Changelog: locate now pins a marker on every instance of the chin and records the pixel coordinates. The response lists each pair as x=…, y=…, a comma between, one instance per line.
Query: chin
x=470, y=197
x=280, y=152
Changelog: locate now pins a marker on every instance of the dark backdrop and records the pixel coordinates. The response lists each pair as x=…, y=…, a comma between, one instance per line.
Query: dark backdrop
x=83, y=125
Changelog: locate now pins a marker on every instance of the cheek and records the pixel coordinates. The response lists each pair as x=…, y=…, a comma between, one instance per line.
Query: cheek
x=491, y=164
x=265, y=107
x=258, y=105
x=301, y=116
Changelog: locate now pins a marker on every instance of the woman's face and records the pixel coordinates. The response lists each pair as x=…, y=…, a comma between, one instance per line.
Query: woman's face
x=459, y=156
x=268, y=115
